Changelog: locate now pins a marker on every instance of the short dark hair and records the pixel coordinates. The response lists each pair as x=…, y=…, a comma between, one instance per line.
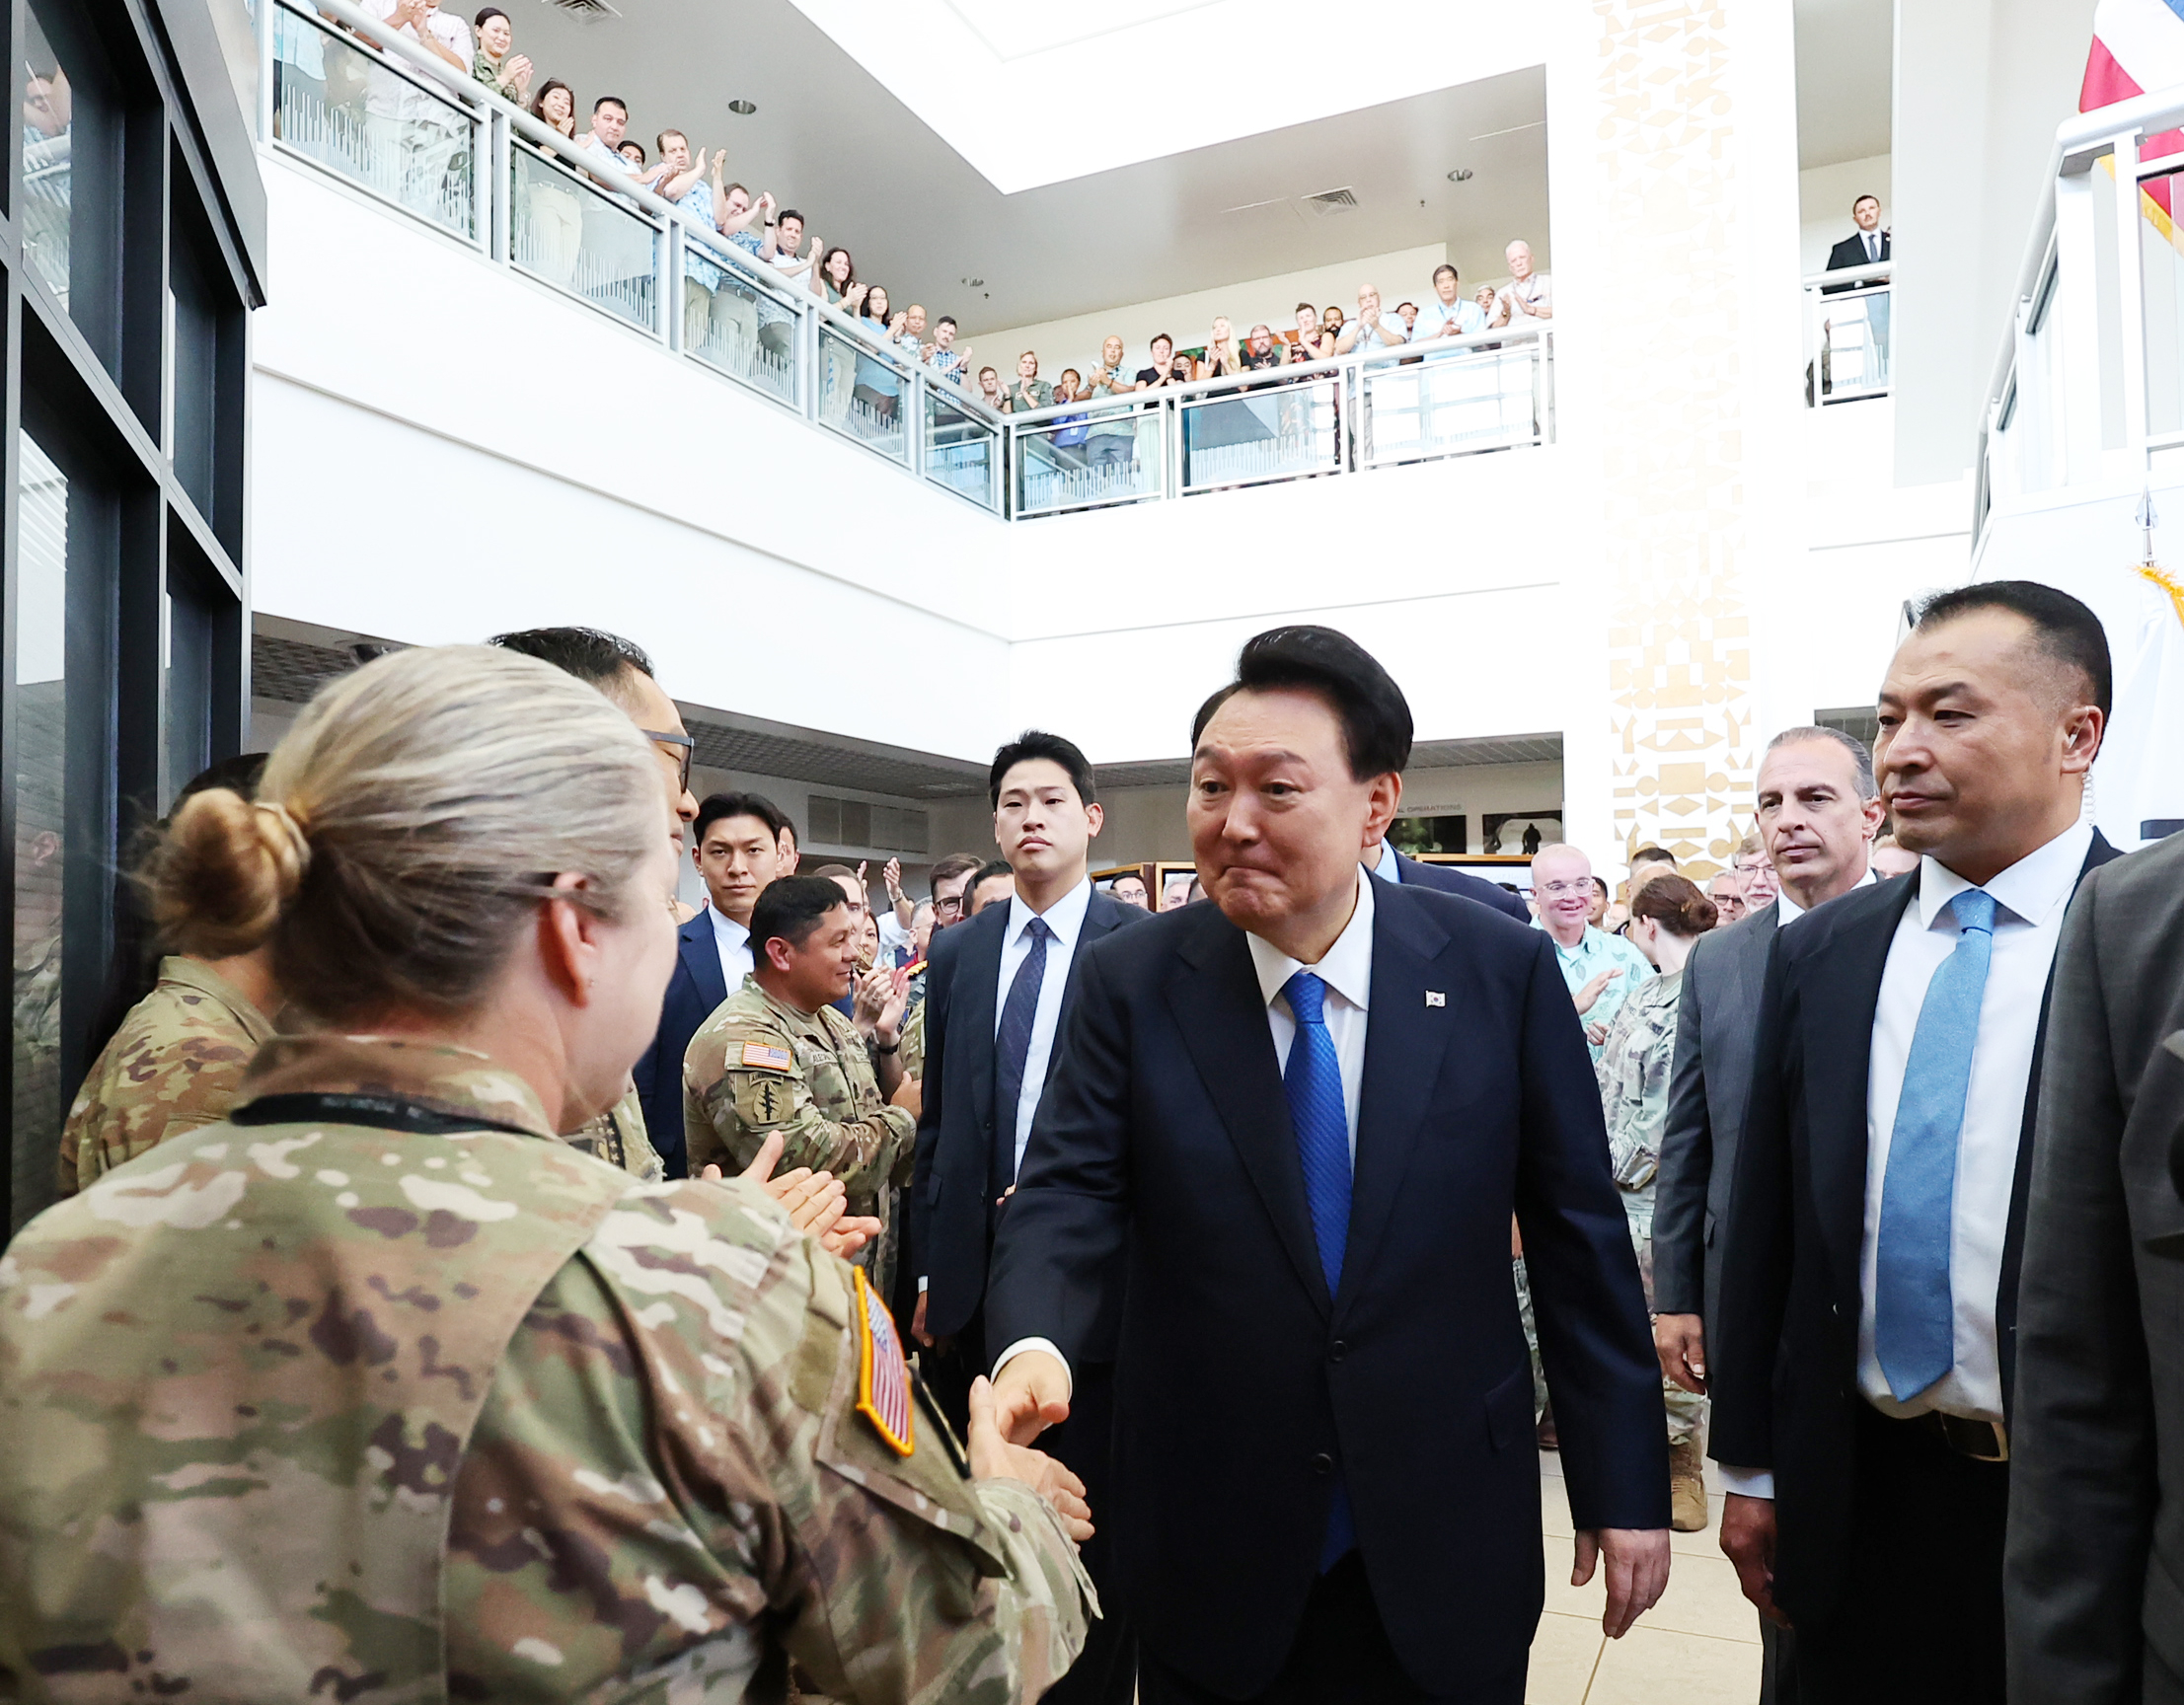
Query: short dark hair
x=789, y=909
x=1163, y=338
x=485, y=12
x=1412, y=306
x=610, y=101
x=1305, y=307
x=629, y=142
x=991, y=868
x=1653, y=856
x=1444, y=268
x=720, y=805
x=661, y=141
x=786, y=214
x=1867, y=197
x=1038, y=743
x=594, y=656
x=2066, y=631
x=944, y=319
x=947, y=869
x=1376, y=717
x=1602, y=885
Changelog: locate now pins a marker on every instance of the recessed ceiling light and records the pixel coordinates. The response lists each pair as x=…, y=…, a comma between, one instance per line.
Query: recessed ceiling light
x=1462, y=175
x=742, y=109
x=974, y=283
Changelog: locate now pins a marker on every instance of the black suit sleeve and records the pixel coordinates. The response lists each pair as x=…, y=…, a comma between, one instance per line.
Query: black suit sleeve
x=1759, y=1240
x=1061, y=1236
x=1686, y=1164
x=931, y=1089
x=2083, y=1485
x=1593, y=1338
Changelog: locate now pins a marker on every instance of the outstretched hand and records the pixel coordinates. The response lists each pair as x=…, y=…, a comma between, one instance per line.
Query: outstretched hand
x=1031, y=1394
x=993, y=1457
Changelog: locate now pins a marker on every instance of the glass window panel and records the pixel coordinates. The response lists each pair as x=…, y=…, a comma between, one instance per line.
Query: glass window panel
x=69, y=199
x=1278, y=433
x=40, y=754
x=1855, y=347
x=1451, y=405
x=567, y=232
x=338, y=102
x=735, y=328
x=1110, y=457
x=961, y=450
x=860, y=396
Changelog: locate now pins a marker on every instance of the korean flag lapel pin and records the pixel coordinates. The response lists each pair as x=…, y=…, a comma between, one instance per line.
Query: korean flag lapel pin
x=1434, y=997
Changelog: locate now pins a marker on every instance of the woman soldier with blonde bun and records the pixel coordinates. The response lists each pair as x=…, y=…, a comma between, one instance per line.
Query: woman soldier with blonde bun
x=377, y=1389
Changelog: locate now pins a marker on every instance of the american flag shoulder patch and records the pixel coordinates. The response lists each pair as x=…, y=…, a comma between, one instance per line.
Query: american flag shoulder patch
x=767, y=1057
x=883, y=1370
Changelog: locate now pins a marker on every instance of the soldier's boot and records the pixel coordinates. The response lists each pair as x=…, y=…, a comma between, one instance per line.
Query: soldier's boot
x=1686, y=1483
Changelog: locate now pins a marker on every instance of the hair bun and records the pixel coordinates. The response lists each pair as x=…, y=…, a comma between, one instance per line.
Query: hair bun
x=1676, y=903
x=219, y=879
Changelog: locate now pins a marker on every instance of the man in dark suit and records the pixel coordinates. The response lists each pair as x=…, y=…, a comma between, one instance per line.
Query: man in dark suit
x=1001, y=987
x=1817, y=807
x=1869, y=1286
x=1390, y=866
x=1289, y=1129
x=1868, y=245
x=743, y=841
x=2096, y=1528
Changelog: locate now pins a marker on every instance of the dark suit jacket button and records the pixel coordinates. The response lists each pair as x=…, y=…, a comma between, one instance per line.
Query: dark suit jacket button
x=1323, y=1464
x=1337, y=1349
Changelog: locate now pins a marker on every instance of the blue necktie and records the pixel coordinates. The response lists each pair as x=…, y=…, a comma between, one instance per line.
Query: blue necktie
x=1313, y=1083
x=1914, y=1316
x=1012, y=1048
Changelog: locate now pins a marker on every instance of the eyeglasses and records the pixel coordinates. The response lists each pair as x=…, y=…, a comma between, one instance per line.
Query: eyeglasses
x=953, y=904
x=1557, y=888
x=688, y=750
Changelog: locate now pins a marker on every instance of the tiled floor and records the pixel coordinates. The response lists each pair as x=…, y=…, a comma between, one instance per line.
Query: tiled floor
x=1700, y=1646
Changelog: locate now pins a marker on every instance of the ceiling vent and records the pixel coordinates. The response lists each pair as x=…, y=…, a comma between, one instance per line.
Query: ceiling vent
x=1332, y=201
x=590, y=11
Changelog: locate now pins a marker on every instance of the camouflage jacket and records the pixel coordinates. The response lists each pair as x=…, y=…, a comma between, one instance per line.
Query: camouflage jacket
x=377, y=1391
x=619, y=1138
x=759, y=1066
x=175, y=1064
x=913, y=1034
x=1633, y=1072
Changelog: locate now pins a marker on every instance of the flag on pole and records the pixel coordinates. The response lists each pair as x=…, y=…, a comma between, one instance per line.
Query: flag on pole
x=2138, y=44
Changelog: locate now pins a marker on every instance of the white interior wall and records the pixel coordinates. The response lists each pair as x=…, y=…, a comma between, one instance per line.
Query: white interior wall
x=1406, y=275
x=1824, y=197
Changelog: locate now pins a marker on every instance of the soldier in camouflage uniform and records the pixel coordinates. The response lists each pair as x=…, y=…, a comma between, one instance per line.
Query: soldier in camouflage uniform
x=253, y=1380
x=377, y=1390
x=1633, y=1070
x=175, y=1064
x=619, y=1138
x=774, y=1056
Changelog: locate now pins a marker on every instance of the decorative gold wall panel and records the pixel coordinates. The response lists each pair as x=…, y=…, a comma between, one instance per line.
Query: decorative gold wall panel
x=1674, y=499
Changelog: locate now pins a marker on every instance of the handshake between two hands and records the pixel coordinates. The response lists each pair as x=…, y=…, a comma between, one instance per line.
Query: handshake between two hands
x=817, y=1203
x=1031, y=1394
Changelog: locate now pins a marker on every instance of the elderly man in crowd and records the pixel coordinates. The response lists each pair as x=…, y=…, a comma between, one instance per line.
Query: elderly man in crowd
x=1727, y=897
x=1756, y=877
x=1528, y=299
x=1371, y=330
x=1600, y=969
x=1448, y=314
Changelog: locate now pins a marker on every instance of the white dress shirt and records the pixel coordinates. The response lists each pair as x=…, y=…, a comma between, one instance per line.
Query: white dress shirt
x=1385, y=866
x=1788, y=911
x=732, y=942
x=1066, y=919
x=2030, y=900
x=1347, y=970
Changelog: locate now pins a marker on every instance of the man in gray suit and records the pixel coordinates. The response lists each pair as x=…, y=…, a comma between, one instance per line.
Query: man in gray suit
x=2095, y=1547
x=1819, y=810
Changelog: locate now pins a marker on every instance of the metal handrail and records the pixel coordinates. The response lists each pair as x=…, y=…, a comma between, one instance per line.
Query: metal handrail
x=1872, y=273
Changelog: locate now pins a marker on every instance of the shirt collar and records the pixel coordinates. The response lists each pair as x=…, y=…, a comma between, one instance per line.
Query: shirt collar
x=1346, y=967
x=727, y=929
x=2030, y=890
x=196, y=974
x=441, y=1075
x=1786, y=908
x=1384, y=866
x=1065, y=916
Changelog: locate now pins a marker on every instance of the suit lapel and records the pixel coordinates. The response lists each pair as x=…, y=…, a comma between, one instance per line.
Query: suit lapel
x=1404, y=1040
x=1840, y=994
x=702, y=957
x=1214, y=996
x=972, y=996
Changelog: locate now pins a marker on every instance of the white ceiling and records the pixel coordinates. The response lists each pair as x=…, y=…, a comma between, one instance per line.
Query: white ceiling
x=868, y=171
x=1845, y=60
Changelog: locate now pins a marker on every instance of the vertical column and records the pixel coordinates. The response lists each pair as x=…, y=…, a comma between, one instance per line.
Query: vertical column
x=1691, y=162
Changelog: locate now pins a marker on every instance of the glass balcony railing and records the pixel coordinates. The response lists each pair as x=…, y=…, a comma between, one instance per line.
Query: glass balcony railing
x=353, y=98
x=1847, y=344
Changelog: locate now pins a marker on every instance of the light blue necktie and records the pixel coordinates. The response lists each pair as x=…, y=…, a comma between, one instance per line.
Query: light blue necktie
x=1914, y=1316
x=1313, y=1083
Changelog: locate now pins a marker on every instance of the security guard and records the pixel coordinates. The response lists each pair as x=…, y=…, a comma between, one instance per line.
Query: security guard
x=778, y=1056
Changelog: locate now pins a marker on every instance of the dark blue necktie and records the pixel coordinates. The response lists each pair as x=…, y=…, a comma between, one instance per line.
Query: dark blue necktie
x=1313, y=1083
x=1914, y=1313
x=1012, y=1048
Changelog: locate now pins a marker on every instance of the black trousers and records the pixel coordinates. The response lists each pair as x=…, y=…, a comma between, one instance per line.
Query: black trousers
x=1920, y=1617
x=1340, y=1657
